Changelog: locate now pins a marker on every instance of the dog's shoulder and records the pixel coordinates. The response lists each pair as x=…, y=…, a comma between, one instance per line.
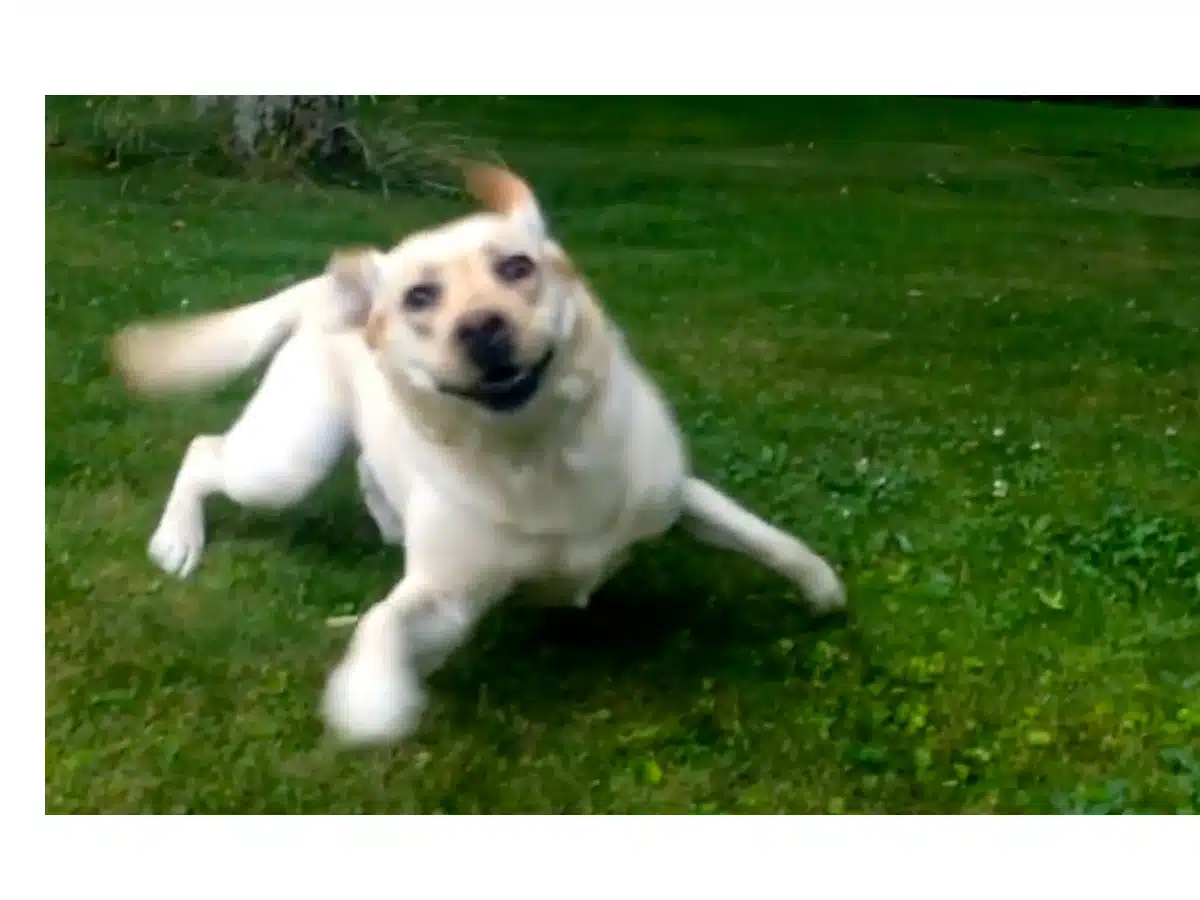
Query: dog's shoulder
x=382, y=425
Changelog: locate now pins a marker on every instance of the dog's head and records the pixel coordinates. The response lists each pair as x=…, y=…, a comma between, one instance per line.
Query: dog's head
x=475, y=309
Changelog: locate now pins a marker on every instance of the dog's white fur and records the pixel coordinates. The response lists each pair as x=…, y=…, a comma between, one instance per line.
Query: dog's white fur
x=550, y=498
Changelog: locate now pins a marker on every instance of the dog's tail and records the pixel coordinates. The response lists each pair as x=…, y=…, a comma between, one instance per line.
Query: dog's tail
x=202, y=352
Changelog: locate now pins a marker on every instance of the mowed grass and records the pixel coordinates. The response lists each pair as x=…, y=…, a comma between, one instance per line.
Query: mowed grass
x=955, y=345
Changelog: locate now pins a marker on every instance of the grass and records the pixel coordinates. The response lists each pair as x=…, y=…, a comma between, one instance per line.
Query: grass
x=954, y=344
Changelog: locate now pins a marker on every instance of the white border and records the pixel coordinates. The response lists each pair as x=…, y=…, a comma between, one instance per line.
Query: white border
x=23, y=651
x=631, y=857
x=622, y=46
x=513, y=48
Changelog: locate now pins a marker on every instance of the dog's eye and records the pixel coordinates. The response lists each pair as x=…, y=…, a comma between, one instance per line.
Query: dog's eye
x=422, y=296
x=514, y=268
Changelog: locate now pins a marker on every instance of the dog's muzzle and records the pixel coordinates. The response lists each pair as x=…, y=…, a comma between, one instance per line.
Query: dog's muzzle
x=506, y=389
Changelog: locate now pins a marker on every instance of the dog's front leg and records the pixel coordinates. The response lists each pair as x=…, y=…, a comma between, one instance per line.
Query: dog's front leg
x=375, y=694
x=385, y=516
x=720, y=521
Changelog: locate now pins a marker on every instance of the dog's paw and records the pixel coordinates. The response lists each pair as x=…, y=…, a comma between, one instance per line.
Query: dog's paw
x=370, y=702
x=178, y=543
x=824, y=590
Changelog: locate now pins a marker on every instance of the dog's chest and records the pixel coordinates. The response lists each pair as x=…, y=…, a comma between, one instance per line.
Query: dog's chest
x=592, y=516
x=556, y=491
x=566, y=569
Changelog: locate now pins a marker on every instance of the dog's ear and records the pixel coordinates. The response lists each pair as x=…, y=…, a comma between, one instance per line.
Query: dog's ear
x=559, y=264
x=356, y=273
x=501, y=191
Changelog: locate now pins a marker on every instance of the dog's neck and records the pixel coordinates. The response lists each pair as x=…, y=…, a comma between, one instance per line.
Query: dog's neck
x=570, y=394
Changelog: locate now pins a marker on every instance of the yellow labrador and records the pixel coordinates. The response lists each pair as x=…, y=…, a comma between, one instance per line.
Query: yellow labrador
x=506, y=437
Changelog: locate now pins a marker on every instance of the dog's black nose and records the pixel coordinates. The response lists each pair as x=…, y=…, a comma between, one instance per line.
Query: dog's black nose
x=487, y=339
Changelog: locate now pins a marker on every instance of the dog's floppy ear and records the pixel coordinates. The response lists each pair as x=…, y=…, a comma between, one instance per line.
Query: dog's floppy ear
x=356, y=273
x=501, y=191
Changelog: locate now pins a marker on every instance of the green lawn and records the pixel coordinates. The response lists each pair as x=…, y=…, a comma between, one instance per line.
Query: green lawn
x=953, y=344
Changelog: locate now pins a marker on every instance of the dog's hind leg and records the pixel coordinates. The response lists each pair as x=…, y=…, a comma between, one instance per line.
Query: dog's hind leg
x=285, y=443
x=712, y=517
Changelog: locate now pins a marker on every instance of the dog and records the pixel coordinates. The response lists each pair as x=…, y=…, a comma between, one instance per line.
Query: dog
x=507, y=438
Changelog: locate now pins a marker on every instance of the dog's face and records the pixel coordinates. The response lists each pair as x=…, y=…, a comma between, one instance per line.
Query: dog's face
x=474, y=309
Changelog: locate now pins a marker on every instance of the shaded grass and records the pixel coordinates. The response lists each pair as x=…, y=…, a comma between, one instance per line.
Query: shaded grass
x=954, y=344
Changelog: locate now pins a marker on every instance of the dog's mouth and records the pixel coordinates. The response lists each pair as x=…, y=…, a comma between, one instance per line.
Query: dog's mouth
x=506, y=389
